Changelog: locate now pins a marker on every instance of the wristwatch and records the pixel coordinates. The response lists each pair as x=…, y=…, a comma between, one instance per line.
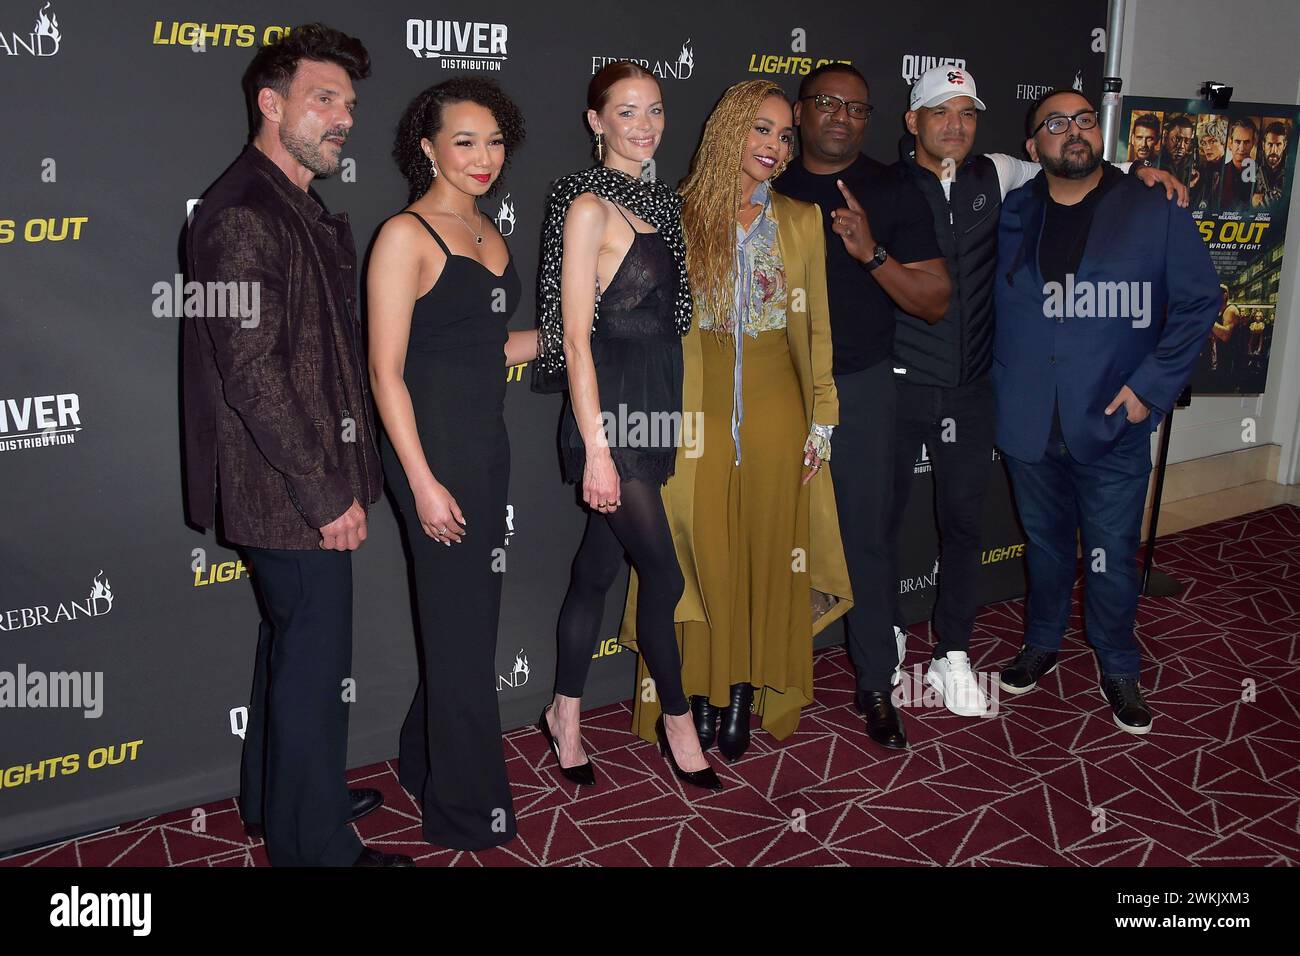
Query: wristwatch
x=877, y=260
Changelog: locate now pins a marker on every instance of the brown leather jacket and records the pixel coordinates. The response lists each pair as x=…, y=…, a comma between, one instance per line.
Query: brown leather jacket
x=278, y=406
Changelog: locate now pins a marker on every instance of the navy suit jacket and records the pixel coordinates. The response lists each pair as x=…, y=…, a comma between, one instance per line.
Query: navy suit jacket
x=1137, y=236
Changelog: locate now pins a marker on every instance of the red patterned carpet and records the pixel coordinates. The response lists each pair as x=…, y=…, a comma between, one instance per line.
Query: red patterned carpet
x=1049, y=781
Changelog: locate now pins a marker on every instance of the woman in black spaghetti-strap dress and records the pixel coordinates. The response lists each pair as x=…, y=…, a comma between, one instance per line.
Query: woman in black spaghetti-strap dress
x=446, y=454
x=638, y=358
x=620, y=351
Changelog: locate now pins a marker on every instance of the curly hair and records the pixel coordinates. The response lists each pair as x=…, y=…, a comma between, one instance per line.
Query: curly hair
x=711, y=197
x=275, y=64
x=423, y=120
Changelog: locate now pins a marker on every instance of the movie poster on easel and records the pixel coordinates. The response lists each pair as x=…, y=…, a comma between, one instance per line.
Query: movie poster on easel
x=1238, y=163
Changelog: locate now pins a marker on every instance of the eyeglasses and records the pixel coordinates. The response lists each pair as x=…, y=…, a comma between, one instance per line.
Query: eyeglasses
x=1056, y=125
x=830, y=103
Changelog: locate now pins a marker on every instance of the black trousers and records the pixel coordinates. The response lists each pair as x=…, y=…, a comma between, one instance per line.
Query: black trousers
x=956, y=425
x=863, y=474
x=292, y=780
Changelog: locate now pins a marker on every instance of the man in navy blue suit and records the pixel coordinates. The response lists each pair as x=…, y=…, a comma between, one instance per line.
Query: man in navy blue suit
x=1105, y=293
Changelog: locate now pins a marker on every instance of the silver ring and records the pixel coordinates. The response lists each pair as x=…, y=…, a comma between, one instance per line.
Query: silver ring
x=442, y=531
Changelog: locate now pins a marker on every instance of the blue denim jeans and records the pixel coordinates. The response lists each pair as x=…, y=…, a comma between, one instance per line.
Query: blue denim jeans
x=1059, y=496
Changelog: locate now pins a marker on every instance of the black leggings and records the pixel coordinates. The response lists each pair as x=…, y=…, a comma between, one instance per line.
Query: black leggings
x=638, y=527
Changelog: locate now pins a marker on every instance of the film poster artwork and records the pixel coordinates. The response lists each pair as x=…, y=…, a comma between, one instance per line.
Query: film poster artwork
x=1238, y=163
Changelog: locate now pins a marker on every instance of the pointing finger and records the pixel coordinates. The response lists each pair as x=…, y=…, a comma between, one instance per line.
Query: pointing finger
x=848, y=196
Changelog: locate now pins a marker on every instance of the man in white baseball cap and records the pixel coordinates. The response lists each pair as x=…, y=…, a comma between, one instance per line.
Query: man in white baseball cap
x=945, y=396
x=941, y=84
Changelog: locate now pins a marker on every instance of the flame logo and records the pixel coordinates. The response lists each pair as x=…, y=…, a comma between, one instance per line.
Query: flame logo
x=1078, y=81
x=47, y=26
x=686, y=58
x=506, y=217
x=101, y=590
x=521, y=667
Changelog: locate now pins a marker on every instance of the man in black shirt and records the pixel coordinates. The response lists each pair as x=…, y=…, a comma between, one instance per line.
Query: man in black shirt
x=1104, y=296
x=880, y=251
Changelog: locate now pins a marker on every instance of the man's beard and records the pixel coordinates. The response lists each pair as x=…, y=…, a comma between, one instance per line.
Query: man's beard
x=309, y=153
x=1071, y=168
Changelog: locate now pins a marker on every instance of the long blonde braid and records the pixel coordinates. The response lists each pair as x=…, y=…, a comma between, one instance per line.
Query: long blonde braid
x=711, y=195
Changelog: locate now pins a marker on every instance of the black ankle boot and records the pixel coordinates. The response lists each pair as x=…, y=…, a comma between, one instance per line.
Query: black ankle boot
x=733, y=737
x=706, y=720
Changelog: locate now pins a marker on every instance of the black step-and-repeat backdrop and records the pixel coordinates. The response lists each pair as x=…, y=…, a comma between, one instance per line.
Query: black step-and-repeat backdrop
x=127, y=638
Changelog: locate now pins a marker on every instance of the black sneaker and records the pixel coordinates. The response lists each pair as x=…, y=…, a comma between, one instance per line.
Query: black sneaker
x=1031, y=665
x=1126, y=701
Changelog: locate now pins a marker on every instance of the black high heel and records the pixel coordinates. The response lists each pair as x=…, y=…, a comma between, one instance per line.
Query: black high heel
x=705, y=779
x=583, y=774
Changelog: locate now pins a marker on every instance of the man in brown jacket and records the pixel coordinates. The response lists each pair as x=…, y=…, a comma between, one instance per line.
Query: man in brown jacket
x=279, y=435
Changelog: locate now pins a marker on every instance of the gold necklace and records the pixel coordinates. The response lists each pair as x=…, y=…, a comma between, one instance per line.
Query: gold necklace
x=478, y=236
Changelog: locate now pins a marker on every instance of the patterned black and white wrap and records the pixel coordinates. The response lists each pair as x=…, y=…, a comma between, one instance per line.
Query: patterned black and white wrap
x=649, y=200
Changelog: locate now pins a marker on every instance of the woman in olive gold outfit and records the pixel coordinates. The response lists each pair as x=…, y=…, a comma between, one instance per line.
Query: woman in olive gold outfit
x=753, y=515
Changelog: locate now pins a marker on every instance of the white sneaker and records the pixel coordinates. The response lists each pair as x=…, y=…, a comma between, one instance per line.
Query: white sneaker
x=951, y=676
x=900, y=638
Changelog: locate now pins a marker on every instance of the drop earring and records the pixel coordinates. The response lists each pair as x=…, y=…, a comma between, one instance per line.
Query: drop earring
x=600, y=147
x=433, y=169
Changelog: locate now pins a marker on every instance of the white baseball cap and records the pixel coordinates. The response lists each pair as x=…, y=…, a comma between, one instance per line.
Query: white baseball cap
x=940, y=84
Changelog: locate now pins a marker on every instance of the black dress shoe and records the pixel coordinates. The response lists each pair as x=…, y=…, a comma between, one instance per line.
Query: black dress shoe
x=371, y=857
x=705, y=778
x=706, y=720
x=733, y=738
x=1127, y=704
x=884, y=722
x=363, y=801
x=583, y=774
x=1031, y=665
